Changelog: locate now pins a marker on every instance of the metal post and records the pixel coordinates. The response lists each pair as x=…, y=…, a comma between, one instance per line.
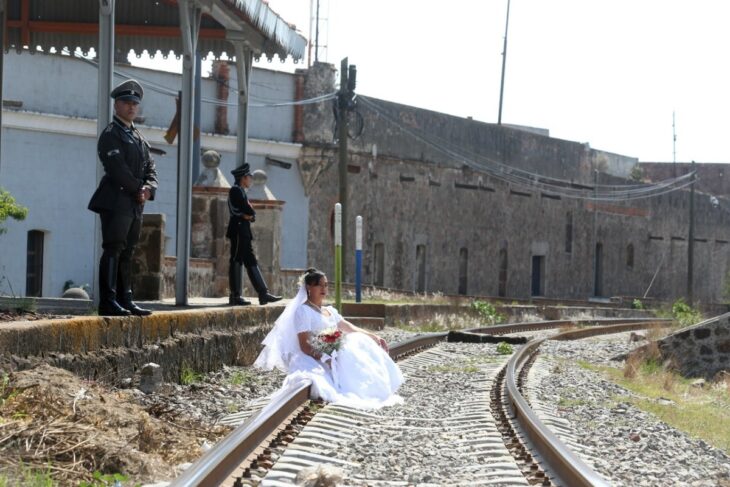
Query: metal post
x=691, y=240
x=190, y=26
x=342, y=145
x=2, y=59
x=358, y=259
x=504, y=63
x=244, y=59
x=595, y=233
x=196, y=116
x=338, y=257
x=316, y=37
x=105, y=58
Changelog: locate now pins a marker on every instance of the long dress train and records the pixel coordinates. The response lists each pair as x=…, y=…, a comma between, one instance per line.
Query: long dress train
x=360, y=374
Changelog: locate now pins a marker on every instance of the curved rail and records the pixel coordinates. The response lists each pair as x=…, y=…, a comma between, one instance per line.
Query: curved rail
x=219, y=462
x=217, y=465
x=560, y=461
x=227, y=456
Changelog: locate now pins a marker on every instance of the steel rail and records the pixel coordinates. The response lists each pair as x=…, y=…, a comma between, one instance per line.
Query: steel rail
x=220, y=462
x=414, y=344
x=217, y=465
x=558, y=460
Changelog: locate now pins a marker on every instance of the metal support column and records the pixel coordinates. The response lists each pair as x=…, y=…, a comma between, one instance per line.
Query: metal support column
x=244, y=60
x=342, y=108
x=196, y=118
x=190, y=15
x=105, y=58
x=691, y=240
x=2, y=58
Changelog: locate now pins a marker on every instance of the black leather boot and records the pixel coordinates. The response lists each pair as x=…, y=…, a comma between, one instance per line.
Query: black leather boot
x=254, y=273
x=108, y=305
x=125, y=301
x=234, y=284
x=124, y=289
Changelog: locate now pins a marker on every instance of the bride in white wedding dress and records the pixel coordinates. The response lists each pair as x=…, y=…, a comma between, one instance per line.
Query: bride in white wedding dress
x=359, y=374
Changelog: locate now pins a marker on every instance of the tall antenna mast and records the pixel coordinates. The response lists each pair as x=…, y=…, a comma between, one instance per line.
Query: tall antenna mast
x=318, y=24
x=504, y=62
x=674, y=140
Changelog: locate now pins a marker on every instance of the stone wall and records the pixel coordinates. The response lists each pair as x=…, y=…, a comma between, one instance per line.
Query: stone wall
x=210, y=249
x=148, y=260
x=110, y=349
x=429, y=215
x=201, y=278
x=702, y=350
x=208, y=235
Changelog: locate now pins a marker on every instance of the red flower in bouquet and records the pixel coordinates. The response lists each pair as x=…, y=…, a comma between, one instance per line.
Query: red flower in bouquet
x=327, y=341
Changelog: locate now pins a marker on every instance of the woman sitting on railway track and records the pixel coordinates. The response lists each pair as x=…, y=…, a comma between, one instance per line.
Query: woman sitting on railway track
x=359, y=373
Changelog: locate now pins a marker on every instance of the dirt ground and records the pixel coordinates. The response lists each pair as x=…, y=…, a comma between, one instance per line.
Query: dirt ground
x=17, y=315
x=54, y=422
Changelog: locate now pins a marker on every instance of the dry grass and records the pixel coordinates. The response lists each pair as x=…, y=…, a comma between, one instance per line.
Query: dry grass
x=376, y=295
x=700, y=409
x=441, y=322
x=51, y=421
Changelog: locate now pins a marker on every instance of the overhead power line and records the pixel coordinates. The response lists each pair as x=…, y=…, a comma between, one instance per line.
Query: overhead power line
x=528, y=179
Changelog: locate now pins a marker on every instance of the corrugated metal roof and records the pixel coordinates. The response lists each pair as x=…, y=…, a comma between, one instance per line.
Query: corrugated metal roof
x=273, y=25
x=151, y=25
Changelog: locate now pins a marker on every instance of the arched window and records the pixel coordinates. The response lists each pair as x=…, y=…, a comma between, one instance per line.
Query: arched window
x=598, y=271
x=630, y=256
x=420, y=269
x=378, y=265
x=569, y=232
x=34, y=264
x=463, y=265
x=502, y=292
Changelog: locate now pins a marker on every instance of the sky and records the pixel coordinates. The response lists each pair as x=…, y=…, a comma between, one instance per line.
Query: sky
x=614, y=74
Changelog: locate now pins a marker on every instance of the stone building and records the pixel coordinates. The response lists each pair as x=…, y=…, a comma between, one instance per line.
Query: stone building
x=434, y=224
x=431, y=222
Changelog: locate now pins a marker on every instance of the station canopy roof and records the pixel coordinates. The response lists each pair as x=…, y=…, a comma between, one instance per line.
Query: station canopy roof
x=150, y=25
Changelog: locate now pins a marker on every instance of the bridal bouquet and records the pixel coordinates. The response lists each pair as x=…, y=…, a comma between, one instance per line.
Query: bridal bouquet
x=326, y=341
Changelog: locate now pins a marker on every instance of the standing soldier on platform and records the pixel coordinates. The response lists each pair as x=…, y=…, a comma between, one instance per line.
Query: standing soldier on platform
x=130, y=180
x=239, y=231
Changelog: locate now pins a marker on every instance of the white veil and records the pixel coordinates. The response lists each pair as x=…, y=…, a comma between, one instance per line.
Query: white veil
x=282, y=342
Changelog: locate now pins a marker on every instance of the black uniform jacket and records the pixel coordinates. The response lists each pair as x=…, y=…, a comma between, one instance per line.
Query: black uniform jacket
x=125, y=155
x=238, y=206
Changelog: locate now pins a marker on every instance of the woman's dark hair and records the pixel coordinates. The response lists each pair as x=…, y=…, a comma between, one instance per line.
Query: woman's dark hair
x=312, y=276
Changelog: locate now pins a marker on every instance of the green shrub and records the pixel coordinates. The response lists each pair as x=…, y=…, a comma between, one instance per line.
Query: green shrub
x=104, y=480
x=488, y=312
x=189, y=376
x=504, y=348
x=10, y=209
x=637, y=304
x=685, y=314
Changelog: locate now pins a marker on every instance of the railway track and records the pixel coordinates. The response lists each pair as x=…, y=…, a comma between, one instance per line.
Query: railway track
x=289, y=433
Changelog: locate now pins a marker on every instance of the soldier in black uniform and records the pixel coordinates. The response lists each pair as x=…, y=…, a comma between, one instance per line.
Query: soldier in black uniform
x=239, y=231
x=130, y=180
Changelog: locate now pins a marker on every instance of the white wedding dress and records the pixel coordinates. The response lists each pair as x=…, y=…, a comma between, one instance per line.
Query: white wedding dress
x=360, y=374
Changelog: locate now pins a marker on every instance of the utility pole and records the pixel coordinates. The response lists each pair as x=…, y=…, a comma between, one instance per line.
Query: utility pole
x=691, y=239
x=316, y=37
x=2, y=56
x=345, y=104
x=504, y=63
x=674, y=146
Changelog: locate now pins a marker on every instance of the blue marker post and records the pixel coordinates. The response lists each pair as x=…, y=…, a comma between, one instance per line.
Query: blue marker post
x=358, y=259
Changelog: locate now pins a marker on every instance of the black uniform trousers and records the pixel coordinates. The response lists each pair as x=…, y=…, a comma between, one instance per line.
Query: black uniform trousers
x=242, y=251
x=120, y=234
